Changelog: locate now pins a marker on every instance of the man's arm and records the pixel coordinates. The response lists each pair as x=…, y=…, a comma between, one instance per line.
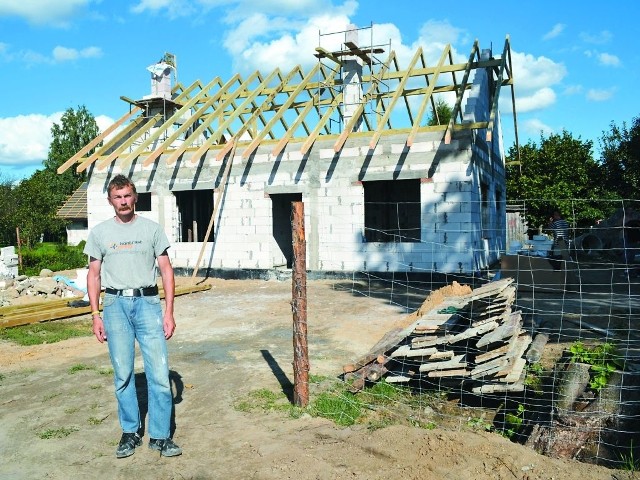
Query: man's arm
x=93, y=290
x=169, y=286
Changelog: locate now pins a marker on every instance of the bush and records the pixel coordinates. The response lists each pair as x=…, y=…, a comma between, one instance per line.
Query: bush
x=54, y=256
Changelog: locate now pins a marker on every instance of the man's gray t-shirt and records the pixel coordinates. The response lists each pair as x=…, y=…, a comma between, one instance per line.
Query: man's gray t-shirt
x=127, y=251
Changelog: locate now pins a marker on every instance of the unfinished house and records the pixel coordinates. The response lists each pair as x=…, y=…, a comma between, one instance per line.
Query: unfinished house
x=387, y=186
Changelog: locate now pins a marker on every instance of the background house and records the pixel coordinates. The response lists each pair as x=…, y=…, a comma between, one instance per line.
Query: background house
x=74, y=210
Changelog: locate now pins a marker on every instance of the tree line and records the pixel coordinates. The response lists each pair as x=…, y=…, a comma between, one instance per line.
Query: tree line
x=560, y=172
x=549, y=174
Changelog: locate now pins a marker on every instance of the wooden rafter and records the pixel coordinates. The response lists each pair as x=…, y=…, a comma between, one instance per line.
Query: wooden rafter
x=154, y=136
x=206, y=121
x=146, y=122
x=396, y=95
x=93, y=143
x=257, y=110
x=219, y=113
x=428, y=96
x=265, y=103
x=460, y=93
x=281, y=111
x=496, y=92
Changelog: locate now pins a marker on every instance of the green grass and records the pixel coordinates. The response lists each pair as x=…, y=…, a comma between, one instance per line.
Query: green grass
x=50, y=332
x=56, y=433
x=265, y=400
x=342, y=407
x=95, y=420
x=378, y=406
x=79, y=367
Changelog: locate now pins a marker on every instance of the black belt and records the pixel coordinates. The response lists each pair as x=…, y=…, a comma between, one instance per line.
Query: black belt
x=133, y=292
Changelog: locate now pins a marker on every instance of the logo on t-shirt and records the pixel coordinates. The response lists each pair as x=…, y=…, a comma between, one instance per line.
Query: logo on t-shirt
x=125, y=245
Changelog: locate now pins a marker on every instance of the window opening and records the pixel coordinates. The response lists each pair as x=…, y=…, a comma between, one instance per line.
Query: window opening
x=195, y=208
x=144, y=202
x=392, y=211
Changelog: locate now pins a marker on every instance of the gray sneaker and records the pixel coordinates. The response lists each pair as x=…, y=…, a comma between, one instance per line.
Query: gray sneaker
x=128, y=444
x=165, y=446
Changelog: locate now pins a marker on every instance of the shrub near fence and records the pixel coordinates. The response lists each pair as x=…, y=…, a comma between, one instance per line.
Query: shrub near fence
x=53, y=256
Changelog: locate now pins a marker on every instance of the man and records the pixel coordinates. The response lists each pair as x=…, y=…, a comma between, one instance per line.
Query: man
x=559, y=226
x=123, y=252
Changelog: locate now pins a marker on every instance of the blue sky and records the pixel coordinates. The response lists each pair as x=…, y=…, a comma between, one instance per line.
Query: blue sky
x=575, y=63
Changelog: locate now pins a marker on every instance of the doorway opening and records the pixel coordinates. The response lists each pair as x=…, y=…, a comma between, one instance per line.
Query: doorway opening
x=282, y=234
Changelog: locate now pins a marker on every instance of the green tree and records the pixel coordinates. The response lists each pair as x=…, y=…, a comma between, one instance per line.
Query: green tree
x=7, y=212
x=77, y=128
x=559, y=173
x=441, y=114
x=39, y=197
x=36, y=206
x=620, y=159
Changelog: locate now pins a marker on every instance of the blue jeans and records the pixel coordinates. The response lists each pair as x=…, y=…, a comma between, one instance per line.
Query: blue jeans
x=127, y=319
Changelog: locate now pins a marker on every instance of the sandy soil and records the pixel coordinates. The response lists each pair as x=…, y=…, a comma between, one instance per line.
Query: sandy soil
x=231, y=340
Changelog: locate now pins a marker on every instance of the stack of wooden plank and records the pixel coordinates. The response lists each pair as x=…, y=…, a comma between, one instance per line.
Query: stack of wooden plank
x=17, y=315
x=476, y=339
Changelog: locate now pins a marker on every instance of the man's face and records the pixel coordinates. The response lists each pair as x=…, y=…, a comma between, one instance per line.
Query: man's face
x=123, y=200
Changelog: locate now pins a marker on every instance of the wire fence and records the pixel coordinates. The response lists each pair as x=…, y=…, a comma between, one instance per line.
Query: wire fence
x=542, y=347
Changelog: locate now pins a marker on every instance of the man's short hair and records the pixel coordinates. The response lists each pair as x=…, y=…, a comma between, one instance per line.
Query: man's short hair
x=121, y=181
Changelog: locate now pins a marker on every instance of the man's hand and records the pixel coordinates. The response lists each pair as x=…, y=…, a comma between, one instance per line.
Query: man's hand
x=98, y=329
x=169, y=325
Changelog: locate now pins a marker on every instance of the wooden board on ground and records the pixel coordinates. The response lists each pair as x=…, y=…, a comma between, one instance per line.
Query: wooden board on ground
x=455, y=362
x=55, y=311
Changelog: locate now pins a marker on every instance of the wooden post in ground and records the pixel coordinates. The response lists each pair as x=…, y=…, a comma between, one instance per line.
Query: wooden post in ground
x=299, y=307
x=19, y=251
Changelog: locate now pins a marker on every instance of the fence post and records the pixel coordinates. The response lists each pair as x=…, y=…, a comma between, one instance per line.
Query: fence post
x=299, y=307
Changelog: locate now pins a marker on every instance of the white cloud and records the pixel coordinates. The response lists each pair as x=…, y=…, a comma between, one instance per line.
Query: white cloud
x=263, y=42
x=104, y=122
x=557, y=29
x=435, y=35
x=62, y=54
x=534, y=78
x=295, y=45
x=173, y=8
x=596, y=95
x=608, y=60
x=535, y=126
x=597, y=39
x=573, y=90
x=59, y=54
x=25, y=139
x=540, y=99
x=44, y=12
x=236, y=10
x=532, y=73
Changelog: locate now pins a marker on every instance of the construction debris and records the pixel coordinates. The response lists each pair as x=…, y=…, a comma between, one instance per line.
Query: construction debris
x=23, y=290
x=474, y=339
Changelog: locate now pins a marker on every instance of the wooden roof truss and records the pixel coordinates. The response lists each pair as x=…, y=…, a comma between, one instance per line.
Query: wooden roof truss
x=297, y=109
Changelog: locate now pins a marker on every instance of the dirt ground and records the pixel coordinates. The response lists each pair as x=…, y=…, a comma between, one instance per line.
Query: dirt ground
x=231, y=340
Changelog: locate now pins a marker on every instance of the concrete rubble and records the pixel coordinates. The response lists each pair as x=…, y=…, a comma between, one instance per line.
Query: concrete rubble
x=22, y=289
